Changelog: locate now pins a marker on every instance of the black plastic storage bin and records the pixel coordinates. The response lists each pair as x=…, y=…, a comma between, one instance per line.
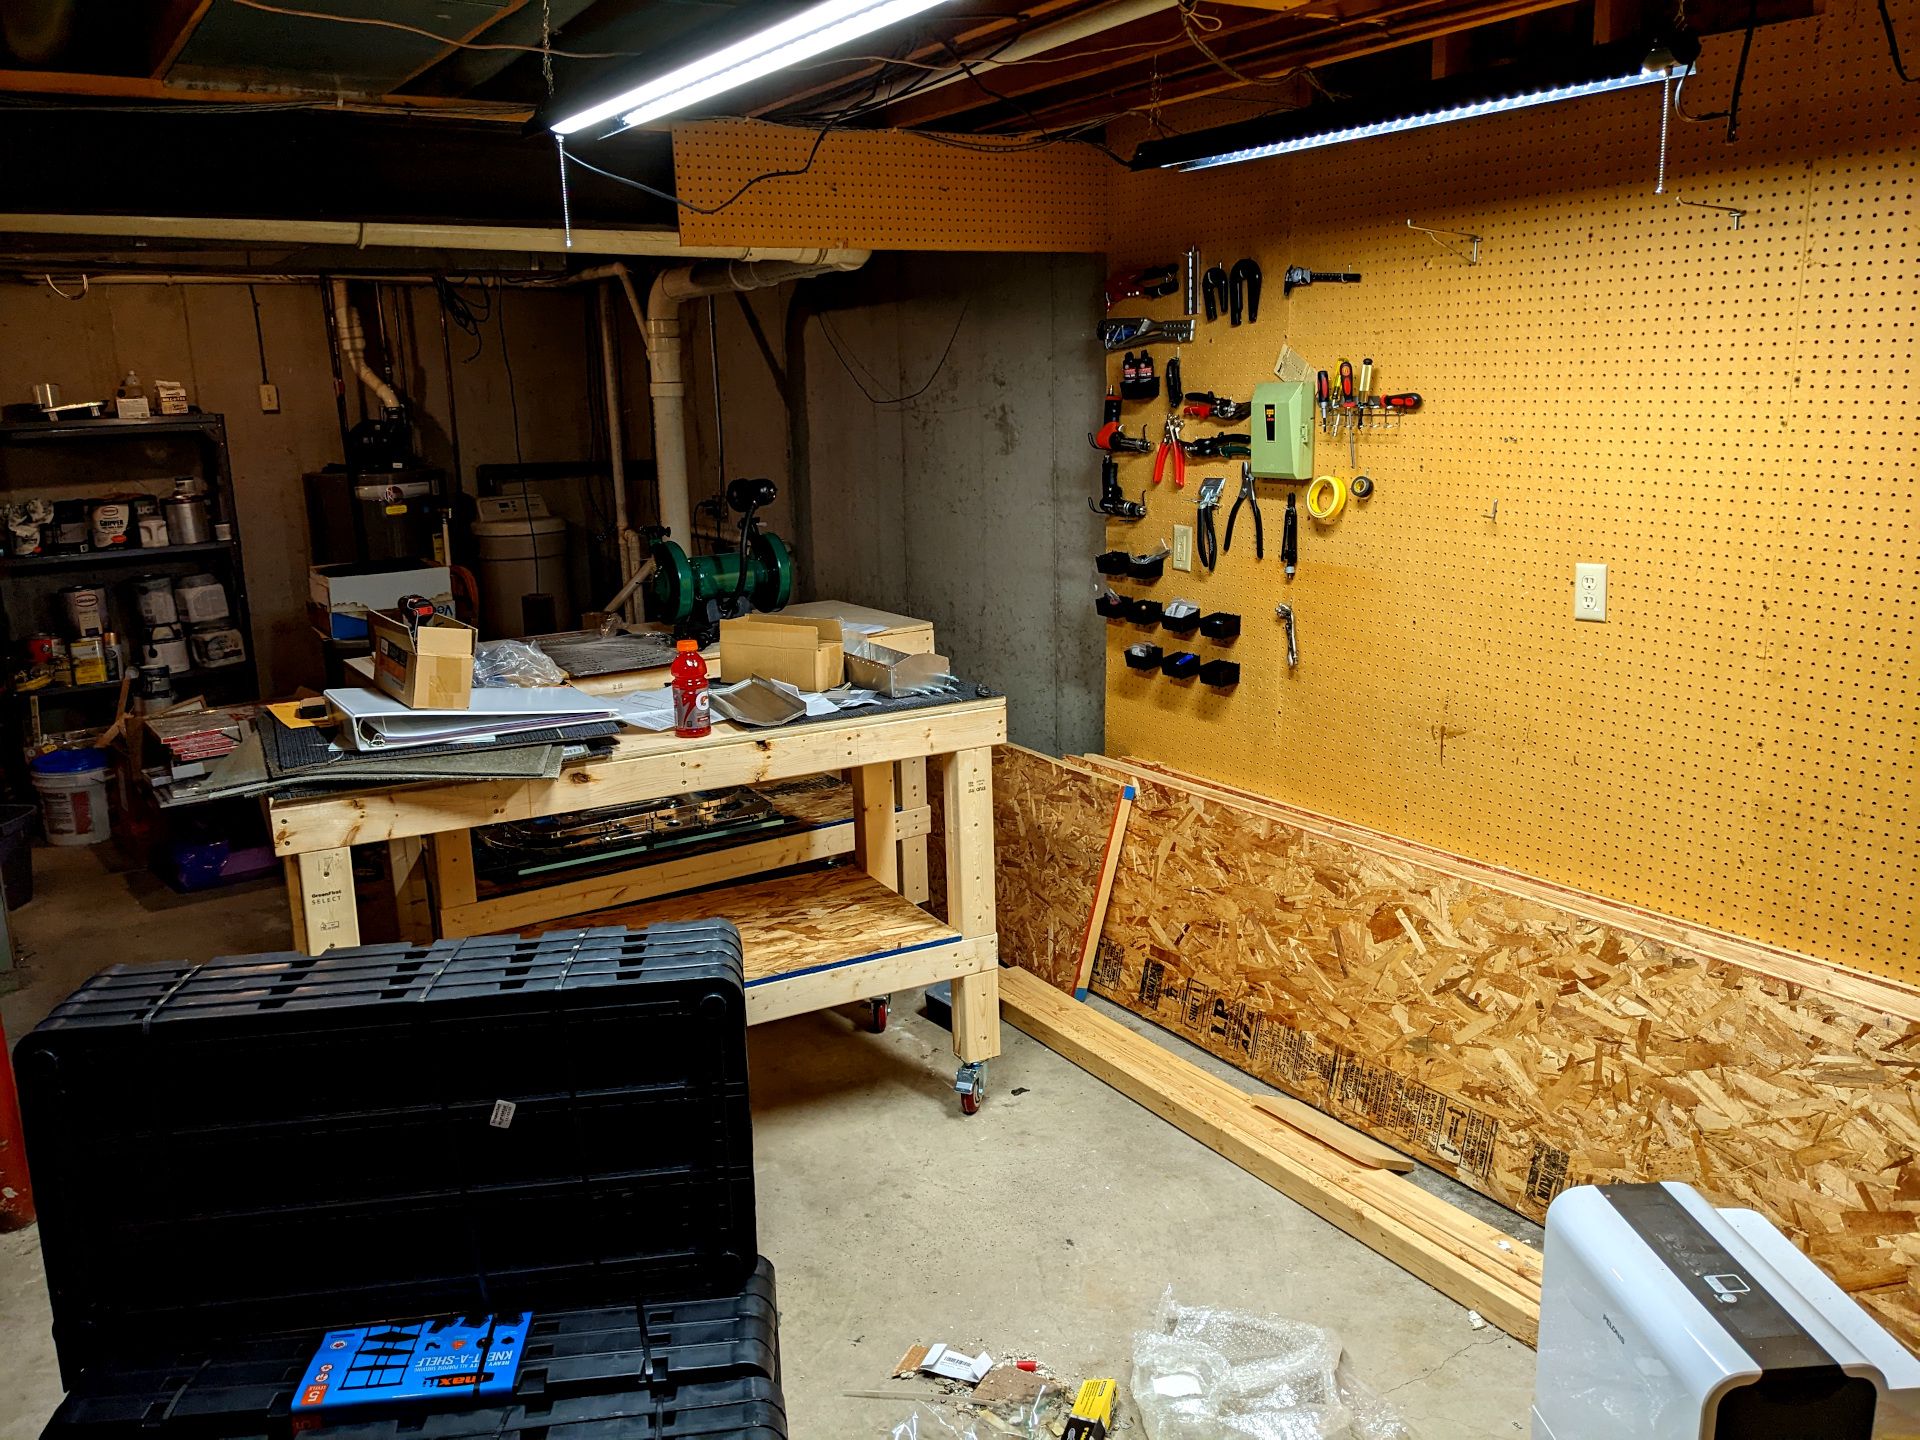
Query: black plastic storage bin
x=622, y=1351
x=285, y=1144
x=1181, y=665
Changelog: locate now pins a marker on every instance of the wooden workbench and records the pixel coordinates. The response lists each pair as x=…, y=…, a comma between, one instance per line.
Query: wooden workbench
x=813, y=940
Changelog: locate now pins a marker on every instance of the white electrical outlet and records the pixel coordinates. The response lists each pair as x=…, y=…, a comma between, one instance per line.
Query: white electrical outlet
x=269, y=399
x=1589, y=592
x=1183, y=547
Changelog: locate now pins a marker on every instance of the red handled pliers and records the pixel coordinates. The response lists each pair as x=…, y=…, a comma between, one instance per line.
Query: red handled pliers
x=1170, y=447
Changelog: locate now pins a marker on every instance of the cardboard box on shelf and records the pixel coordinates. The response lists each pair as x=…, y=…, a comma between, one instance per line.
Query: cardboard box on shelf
x=339, y=596
x=806, y=653
x=428, y=668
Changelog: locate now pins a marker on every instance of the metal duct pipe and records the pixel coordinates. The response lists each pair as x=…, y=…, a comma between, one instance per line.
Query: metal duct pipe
x=353, y=345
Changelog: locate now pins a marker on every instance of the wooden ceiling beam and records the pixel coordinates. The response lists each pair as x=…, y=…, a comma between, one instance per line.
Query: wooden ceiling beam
x=135, y=87
x=1309, y=52
x=177, y=21
x=447, y=52
x=929, y=54
x=1036, y=79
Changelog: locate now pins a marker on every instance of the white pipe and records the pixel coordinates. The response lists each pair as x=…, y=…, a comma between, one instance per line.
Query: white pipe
x=353, y=346
x=626, y=541
x=659, y=321
x=366, y=234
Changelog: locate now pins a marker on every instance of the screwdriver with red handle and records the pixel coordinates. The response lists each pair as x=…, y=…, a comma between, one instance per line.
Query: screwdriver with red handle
x=1323, y=391
x=1347, y=412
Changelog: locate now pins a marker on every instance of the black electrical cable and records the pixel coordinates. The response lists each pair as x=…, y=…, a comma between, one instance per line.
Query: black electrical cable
x=454, y=305
x=687, y=205
x=259, y=334
x=1893, y=46
x=1732, y=113
x=834, y=343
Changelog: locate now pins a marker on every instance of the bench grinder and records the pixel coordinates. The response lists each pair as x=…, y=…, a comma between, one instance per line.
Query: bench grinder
x=695, y=593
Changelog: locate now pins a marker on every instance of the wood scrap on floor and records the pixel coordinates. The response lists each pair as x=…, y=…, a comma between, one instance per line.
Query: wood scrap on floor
x=1464, y=1258
x=1519, y=1046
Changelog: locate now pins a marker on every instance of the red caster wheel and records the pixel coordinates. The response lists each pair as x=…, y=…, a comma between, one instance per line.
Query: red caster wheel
x=878, y=1010
x=971, y=1082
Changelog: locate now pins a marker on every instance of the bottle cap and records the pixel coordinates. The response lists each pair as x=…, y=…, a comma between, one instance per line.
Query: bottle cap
x=683, y=646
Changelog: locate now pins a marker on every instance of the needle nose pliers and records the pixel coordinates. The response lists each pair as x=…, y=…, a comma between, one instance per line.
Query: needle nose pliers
x=1250, y=497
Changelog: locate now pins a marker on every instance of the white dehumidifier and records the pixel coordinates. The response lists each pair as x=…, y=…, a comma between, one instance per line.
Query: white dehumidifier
x=1664, y=1318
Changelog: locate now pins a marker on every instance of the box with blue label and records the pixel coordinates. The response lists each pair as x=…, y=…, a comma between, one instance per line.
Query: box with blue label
x=414, y=1360
x=339, y=596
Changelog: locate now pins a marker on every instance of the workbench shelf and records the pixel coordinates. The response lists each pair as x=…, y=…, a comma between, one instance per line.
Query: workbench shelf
x=816, y=939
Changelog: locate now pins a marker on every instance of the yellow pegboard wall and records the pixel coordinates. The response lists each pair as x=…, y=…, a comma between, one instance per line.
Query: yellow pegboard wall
x=888, y=190
x=1725, y=417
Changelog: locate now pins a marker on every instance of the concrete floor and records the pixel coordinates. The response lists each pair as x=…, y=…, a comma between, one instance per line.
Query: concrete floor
x=1048, y=1225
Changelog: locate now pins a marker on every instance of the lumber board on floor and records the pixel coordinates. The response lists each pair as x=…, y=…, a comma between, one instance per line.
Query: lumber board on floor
x=1519, y=1044
x=1356, y=1145
x=1462, y=1257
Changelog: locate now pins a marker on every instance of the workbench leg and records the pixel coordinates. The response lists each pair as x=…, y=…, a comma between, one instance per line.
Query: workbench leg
x=412, y=902
x=913, y=852
x=325, y=908
x=968, y=803
x=450, y=861
x=876, y=845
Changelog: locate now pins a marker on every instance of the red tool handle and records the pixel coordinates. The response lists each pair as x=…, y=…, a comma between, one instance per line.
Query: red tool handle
x=1407, y=401
x=1323, y=390
x=1346, y=383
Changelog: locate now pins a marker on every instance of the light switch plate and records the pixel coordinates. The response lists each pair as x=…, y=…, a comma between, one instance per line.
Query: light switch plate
x=1183, y=547
x=1589, y=592
x=270, y=399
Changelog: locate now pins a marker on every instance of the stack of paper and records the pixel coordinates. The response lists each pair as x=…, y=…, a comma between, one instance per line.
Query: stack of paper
x=371, y=720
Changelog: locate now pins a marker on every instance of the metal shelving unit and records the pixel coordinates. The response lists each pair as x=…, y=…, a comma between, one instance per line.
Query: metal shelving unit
x=136, y=452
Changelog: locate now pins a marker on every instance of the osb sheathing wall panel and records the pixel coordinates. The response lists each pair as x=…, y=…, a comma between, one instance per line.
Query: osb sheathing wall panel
x=1520, y=1046
x=1726, y=417
x=888, y=190
x=1050, y=827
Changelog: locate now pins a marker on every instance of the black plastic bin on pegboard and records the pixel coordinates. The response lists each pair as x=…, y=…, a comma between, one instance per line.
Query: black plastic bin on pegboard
x=279, y=1145
x=648, y=1348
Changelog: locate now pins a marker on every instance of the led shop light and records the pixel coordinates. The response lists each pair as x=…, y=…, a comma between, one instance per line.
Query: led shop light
x=1595, y=71
x=813, y=31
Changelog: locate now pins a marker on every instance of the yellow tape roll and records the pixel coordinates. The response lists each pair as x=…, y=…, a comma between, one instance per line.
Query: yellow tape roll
x=1326, y=497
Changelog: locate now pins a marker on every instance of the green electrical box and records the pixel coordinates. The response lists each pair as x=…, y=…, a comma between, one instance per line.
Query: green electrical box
x=1282, y=426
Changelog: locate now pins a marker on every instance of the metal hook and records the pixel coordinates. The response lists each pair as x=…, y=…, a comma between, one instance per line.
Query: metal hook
x=1453, y=250
x=1494, y=513
x=1733, y=210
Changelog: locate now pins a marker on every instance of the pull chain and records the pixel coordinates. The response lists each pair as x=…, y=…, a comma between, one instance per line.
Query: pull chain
x=1666, y=119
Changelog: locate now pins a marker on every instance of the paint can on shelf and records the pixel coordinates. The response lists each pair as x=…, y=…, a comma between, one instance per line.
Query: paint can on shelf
x=153, y=527
x=165, y=646
x=187, y=522
x=153, y=597
x=200, y=599
x=86, y=607
x=110, y=523
x=155, y=689
x=216, y=645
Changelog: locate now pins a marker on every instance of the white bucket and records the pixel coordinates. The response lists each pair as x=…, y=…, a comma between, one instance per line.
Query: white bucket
x=73, y=796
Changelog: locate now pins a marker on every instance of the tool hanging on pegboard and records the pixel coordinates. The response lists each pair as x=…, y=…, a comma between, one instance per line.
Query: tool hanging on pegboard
x=1243, y=291
x=1299, y=275
x=1144, y=330
x=1111, y=439
x=1113, y=501
x=1152, y=283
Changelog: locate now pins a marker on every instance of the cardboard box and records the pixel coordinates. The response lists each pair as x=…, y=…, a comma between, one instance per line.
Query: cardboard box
x=430, y=668
x=897, y=632
x=806, y=653
x=339, y=596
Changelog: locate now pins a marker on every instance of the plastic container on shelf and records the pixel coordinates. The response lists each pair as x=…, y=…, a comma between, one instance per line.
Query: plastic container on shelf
x=692, y=706
x=72, y=785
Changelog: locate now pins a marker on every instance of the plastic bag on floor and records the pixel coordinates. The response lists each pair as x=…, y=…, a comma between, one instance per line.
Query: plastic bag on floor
x=961, y=1421
x=1207, y=1374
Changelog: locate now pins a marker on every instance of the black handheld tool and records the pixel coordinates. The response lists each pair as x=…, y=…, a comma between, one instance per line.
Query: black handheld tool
x=1151, y=283
x=1405, y=404
x=1323, y=392
x=1113, y=500
x=415, y=611
x=1244, y=283
x=1250, y=496
x=1218, y=447
x=1111, y=438
x=1298, y=275
x=1209, y=503
x=1290, y=538
x=1213, y=290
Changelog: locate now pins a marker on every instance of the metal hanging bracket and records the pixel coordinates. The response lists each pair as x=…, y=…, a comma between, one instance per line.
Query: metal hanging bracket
x=1471, y=257
x=1733, y=210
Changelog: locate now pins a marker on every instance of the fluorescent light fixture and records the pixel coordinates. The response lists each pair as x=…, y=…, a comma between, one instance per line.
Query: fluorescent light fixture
x=814, y=31
x=1618, y=66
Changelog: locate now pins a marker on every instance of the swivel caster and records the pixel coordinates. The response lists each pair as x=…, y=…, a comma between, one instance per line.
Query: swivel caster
x=878, y=1009
x=971, y=1082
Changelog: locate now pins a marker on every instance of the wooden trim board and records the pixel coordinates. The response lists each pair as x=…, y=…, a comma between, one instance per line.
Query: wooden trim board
x=1465, y=1259
x=1102, y=892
